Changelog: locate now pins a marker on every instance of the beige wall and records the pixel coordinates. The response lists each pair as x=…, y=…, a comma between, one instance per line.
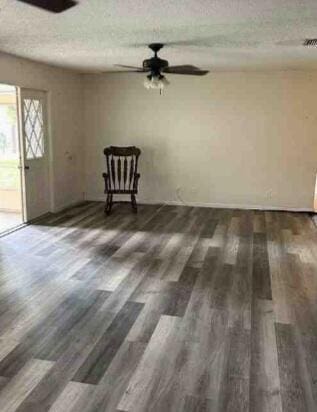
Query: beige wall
x=66, y=126
x=228, y=139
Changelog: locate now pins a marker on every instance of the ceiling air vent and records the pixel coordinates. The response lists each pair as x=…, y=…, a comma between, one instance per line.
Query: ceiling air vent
x=310, y=42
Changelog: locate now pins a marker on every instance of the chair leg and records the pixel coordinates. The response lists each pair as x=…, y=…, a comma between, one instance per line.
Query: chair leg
x=134, y=204
x=108, y=204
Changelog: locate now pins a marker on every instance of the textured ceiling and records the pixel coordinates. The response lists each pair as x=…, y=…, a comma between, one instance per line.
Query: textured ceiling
x=212, y=34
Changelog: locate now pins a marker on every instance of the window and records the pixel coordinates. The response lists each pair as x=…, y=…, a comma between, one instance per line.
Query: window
x=33, y=128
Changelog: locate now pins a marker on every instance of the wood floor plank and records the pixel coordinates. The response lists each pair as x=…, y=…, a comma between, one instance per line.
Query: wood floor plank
x=139, y=389
x=7, y=346
x=193, y=404
x=303, y=328
x=291, y=387
x=241, y=294
x=113, y=384
x=265, y=390
x=180, y=292
x=278, y=267
x=261, y=271
x=71, y=397
x=116, y=271
x=95, y=365
x=13, y=394
x=175, y=308
x=236, y=378
x=3, y=382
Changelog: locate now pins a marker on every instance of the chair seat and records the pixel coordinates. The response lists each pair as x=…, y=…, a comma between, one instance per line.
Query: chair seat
x=121, y=192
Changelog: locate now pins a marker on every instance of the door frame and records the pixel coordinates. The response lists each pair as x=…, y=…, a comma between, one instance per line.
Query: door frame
x=21, y=189
x=48, y=148
x=21, y=157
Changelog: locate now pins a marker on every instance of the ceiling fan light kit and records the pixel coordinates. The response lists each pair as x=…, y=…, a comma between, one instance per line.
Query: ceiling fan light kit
x=156, y=82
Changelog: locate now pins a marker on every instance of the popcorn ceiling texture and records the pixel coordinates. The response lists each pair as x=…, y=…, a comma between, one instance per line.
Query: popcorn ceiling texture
x=213, y=34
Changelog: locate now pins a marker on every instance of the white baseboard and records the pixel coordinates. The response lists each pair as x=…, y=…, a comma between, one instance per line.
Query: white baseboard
x=239, y=206
x=215, y=205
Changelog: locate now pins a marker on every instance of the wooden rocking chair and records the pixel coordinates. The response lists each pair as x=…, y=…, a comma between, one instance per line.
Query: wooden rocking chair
x=122, y=175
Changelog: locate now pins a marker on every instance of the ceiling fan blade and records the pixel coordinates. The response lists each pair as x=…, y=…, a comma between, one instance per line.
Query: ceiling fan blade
x=134, y=69
x=54, y=6
x=186, y=69
x=123, y=71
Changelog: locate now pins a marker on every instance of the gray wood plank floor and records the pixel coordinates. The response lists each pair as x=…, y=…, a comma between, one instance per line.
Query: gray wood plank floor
x=173, y=309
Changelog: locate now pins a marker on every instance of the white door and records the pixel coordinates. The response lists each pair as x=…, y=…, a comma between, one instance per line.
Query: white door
x=35, y=156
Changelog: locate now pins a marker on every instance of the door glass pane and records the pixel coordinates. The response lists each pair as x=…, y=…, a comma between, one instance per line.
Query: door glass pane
x=33, y=128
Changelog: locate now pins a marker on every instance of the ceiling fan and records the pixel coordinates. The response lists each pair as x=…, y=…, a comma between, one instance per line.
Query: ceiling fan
x=156, y=66
x=55, y=6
